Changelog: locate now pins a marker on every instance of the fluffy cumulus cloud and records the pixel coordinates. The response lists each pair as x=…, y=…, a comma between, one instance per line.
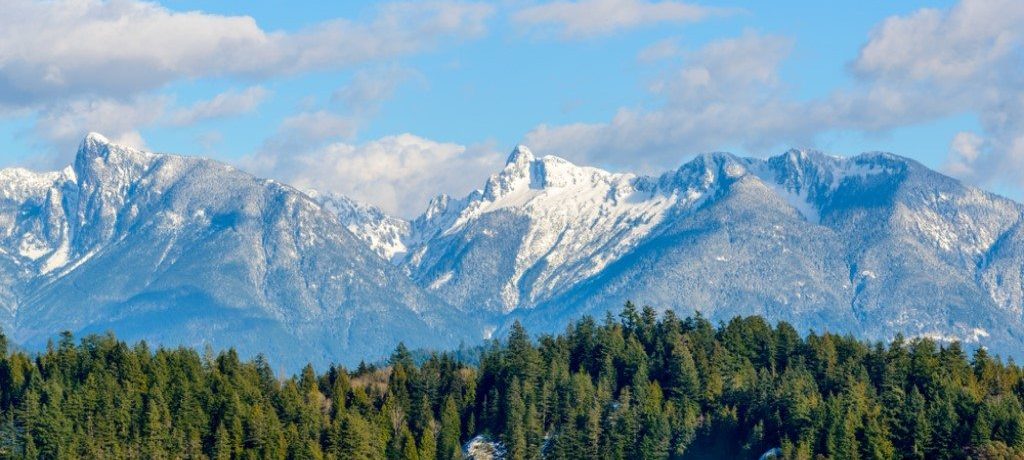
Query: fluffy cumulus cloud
x=68, y=62
x=314, y=149
x=67, y=48
x=587, y=18
x=727, y=92
x=945, y=46
x=78, y=65
x=369, y=87
x=964, y=150
x=397, y=173
x=226, y=104
x=306, y=129
x=352, y=106
x=968, y=59
x=62, y=122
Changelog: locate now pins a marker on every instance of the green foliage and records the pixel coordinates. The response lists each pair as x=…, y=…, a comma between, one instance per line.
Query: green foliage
x=635, y=386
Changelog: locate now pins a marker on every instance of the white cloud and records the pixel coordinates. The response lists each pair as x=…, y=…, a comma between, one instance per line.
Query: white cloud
x=587, y=18
x=60, y=125
x=313, y=150
x=397, y=173
x=968, y=59
x=320, y=129
x=71, y=48
x=226, y=104
x=369, y=88
x=65, y=124
x=312, y=128
x=945, y=47
x=727, y=69
x=93, y=65
x=930, y=64
x=659, y=50
x=964, y=150
x=727, y=93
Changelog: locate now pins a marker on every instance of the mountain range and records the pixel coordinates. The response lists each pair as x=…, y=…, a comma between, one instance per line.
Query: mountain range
x=184, y=250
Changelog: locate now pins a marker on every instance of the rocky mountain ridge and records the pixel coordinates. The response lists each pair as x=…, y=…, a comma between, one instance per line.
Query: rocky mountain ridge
x=184, y=250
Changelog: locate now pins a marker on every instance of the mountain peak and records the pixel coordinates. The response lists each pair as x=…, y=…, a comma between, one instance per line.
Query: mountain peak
x=711, y=165
x=822, y=241
x=97, y=145
x=519, y=169
x=102, y=161
x=796, y=156
x=885, y=158
x=803, y=155
x=520, y=155
x=523, y=170
x=800, y=161
x=93, y=143
x=94, y=137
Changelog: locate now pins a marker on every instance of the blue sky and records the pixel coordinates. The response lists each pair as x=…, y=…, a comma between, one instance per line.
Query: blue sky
x=394, y=102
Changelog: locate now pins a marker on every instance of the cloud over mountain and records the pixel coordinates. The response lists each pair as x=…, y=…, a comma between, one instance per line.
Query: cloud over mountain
x=397, y=173
x=912, y=69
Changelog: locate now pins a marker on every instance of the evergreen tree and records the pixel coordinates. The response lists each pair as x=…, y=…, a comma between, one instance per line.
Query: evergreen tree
x=222, y=449
x=515, y=436
x=448, y=444
x=632, y=387
x=428, y=443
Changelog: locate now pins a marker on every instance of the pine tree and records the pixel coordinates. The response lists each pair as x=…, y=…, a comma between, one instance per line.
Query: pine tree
x=222, y=449
x=30, y=447
x=448, y=443
x=914, y=426
x=515, y=436
x=158, y=424
x=682, y=375
x=408, y=447
x=353, y=438
x=428, y=443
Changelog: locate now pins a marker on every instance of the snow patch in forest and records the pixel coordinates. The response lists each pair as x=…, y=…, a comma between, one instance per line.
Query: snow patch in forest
x=482, y=447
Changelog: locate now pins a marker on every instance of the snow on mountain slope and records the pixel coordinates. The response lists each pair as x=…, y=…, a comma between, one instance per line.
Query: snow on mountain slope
x=384, y=234
x=182, y=250
x=538, y=226
x=874, y=244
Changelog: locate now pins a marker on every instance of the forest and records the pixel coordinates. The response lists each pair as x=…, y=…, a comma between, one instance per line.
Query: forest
x=637, y=385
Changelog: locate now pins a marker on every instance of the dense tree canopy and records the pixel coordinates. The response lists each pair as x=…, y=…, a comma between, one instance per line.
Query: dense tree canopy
x=637, y=386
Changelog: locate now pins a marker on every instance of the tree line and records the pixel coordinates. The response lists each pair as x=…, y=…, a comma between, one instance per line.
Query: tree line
x=637, y=386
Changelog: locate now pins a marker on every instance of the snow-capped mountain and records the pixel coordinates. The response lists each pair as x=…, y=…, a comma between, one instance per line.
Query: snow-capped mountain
x=873, y=244
x=182, y=250
x=538, y=227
